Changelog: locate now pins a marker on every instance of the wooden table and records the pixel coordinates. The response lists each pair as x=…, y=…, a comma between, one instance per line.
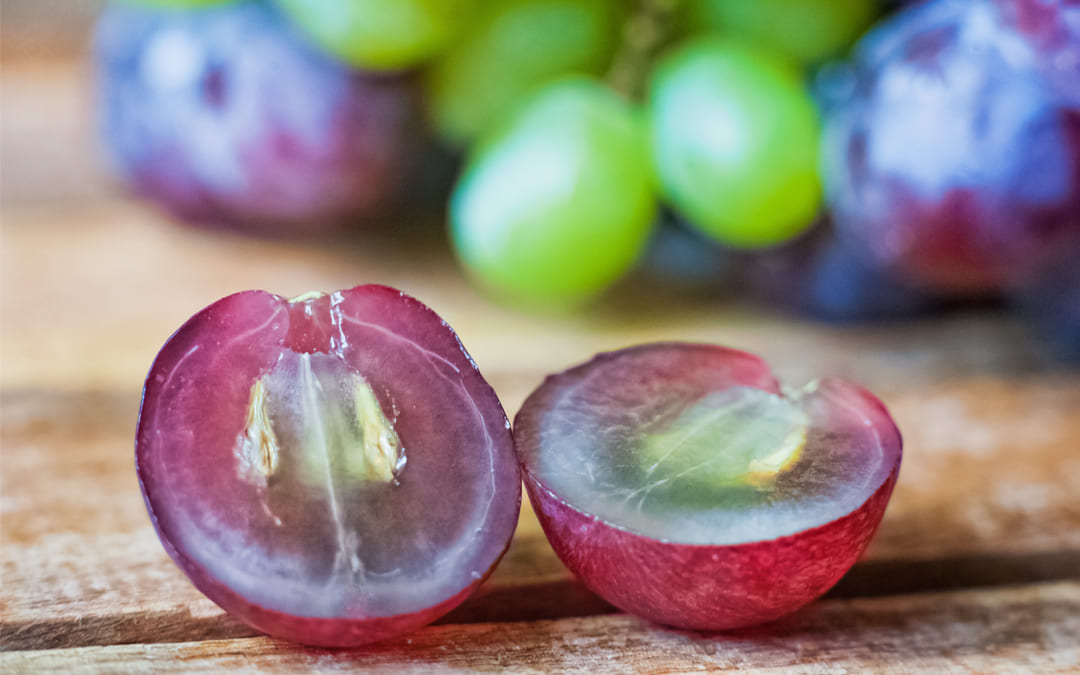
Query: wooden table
x=976, y=567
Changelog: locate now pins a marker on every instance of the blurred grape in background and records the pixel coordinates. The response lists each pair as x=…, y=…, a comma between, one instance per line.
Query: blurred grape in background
x=953, y=165
x=225, y=115
x=845, y=160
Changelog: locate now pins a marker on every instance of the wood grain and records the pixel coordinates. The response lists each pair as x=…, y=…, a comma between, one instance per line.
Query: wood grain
x=1004, y=630
x=986, y=496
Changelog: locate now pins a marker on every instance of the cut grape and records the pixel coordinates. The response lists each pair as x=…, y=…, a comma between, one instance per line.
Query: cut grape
x=953, y=166
x=680, y=483
x=332, y=469
x=735, y=141
x=557, y=205
x=512, y=48
x=223, y=116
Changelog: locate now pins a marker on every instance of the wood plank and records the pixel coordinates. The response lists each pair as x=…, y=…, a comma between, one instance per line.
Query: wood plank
x=1020, y=629
x=983, y=499
x=84, y=324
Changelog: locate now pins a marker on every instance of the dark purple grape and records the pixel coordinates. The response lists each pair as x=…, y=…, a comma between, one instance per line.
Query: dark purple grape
x=952, y=165
x=1050, y=30
x=225, y=116
x=826, y=278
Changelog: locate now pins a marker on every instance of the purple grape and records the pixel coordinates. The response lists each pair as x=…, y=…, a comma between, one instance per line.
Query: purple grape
x=826, y=278
x=952, y=165
x=1050, y=30
x=224, y=116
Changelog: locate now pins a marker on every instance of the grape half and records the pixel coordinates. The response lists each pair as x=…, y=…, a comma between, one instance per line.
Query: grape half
x=330, y=469
x=680, y=483
x=559, y=204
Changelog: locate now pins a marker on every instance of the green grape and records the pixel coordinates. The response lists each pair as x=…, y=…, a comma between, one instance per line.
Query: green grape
x=176, y=4
x=380, y=34
x=806, y=30
x=735, y=141
x=559, y=202
x=513, y=47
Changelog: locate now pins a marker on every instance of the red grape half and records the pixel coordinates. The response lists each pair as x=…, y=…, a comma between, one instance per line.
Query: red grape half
x=680, y=483
x=330, y=469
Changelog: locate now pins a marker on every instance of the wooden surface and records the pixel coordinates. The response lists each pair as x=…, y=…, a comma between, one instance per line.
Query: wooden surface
x=976, y=566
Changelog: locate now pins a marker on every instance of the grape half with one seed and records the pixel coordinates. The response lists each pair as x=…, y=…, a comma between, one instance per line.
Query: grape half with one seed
x=680, y=483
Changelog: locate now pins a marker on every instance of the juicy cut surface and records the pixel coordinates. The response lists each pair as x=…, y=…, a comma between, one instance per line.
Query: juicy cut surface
x=696, y=444
x=332, y=456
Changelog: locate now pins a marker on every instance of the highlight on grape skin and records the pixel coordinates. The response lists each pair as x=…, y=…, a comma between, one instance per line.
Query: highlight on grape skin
x=681, y=483
x=330, y=469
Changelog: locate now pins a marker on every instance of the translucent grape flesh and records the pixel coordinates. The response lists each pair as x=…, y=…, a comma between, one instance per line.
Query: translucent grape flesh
x=664, y=442
x=338, y=458
x=740, y=538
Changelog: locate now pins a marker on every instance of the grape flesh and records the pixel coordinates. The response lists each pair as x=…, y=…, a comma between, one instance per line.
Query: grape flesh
x=509, y=50
x=735, y=141
x=225, y=116
x=330, y=469
x=558, y=204
x=952, y=166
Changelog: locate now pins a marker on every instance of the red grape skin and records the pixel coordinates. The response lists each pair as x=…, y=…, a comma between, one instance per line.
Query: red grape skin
x=269, y=551
x=707, y=586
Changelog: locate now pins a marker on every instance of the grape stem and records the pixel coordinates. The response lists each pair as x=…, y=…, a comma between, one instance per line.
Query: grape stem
x=646, y=29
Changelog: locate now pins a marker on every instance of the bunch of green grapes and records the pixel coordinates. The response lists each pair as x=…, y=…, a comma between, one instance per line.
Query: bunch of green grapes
x=578, y=118
x=581, y=120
